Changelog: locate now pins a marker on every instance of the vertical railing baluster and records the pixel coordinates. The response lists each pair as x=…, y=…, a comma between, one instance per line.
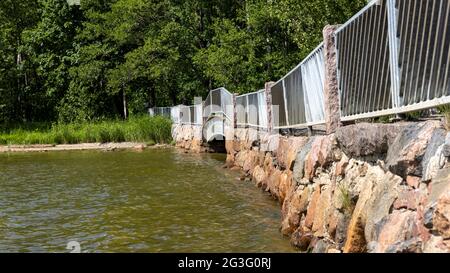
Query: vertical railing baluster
x=375, y=58
x=418, y=96
x=285, y=103
x=434, y=65
x=416, y=45
x=394, y=53
x=358, y=64
x=375, y=94
x=384, y=79
x=428, y=65
x=343, y=53
x=350, y=55
x=247, y=112
x=366, y=59
x=360, y=67
x=407, y=67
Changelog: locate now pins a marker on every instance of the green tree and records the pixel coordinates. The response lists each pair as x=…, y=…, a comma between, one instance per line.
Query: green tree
x=49, y=46
x=86, y=97
x=114, y=58
x=16, y=76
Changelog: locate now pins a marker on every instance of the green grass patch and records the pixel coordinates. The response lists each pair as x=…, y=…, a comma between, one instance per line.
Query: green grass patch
x=445, y=111
x=346, y=198
x=413, y=116
x=384, y=119
x=136, y=129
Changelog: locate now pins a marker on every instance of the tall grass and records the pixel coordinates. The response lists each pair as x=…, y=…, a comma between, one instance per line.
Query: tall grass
x=136, y=129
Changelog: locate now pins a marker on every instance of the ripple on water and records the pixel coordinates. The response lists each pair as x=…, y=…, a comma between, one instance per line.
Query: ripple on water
x=154, y=201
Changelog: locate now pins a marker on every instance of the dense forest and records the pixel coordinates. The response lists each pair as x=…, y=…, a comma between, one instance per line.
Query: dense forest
x=61, y=62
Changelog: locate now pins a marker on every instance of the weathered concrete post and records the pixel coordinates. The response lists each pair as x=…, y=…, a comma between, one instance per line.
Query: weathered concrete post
x=267, y=88
x=230, y=134
x=331, y=87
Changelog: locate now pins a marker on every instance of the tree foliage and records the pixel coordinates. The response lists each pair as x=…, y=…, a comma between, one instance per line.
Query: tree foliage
x=81, y=63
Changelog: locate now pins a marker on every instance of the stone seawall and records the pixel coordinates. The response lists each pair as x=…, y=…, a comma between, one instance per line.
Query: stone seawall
x=364, y=188
x=188, y=137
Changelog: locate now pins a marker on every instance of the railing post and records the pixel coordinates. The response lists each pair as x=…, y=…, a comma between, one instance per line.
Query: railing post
x=331, y=86
x=268, y=91
x=394, y=42
x=234, y=110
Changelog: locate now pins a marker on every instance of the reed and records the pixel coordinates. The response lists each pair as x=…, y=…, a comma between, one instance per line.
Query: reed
x=136, y=129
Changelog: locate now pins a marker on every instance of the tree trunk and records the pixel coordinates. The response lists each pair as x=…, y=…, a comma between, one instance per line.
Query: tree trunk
x=125, y=116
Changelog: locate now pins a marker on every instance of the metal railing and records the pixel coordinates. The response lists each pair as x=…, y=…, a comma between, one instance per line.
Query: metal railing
x=364, y=72
x=217, y=113
x=172, y=113
x=191, y=115
x=219, y=102
x=393, y=57
x=251, y=110
x=424, y=38
x=298, y=99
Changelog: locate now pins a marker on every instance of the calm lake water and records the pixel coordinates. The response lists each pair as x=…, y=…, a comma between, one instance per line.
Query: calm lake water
x=153, y=201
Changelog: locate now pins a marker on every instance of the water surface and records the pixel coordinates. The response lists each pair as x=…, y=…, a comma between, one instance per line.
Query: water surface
x=152, y=201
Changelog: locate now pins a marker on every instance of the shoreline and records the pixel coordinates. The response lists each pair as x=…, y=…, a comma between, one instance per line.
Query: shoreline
x=110, y=146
